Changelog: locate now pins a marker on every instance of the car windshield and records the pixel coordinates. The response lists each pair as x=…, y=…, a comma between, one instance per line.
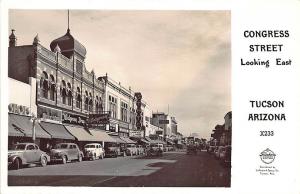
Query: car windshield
x=19, y=147
x=61, y=146
x=89, y=146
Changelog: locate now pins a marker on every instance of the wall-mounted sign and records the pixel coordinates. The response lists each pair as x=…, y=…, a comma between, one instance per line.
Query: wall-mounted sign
x=159, y=132
x=75, y=119
x=47, y=113
x=163, y=121
x=135, y=133
x=123, y=130
x=18, y=109
x=100, y=118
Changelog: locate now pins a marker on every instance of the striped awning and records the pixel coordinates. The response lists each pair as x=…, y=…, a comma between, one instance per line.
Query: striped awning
x=117, y=139
x=57, y=131
x=127, y=140
x=13, y=129
x=102, y=136
x=24, y=124
x=80, y=133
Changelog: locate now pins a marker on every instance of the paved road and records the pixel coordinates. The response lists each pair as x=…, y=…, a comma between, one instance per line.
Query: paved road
x=172, y=169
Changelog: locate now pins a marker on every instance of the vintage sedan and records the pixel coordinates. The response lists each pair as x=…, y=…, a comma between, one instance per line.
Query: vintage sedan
x=154, y=150
x=111, y=149
x=26, y=153
x=131, y=150
x=64, y=152
x=93, y=151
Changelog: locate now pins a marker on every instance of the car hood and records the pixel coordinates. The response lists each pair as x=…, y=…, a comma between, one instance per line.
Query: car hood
x=54, y=151
x=11, y=152
x=89, y=149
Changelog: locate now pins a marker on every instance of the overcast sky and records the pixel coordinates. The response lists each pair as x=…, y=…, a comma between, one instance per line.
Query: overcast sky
x=180, y=58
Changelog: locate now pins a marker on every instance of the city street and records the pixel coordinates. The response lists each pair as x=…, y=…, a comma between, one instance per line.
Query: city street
x=172, y=169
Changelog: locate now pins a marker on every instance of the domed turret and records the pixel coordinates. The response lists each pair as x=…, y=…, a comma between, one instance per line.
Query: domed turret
x=68, y=45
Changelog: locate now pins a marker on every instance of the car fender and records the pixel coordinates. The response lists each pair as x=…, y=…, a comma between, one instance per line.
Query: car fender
x=13, y=158
x=45, y=155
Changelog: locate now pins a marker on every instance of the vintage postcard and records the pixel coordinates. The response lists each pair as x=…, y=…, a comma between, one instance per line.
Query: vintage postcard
x=95, y=97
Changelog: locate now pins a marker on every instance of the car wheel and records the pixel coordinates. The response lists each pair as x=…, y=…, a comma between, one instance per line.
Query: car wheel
x=79, y=158
x=64, y=160
x=17, y=164
x=44, y=161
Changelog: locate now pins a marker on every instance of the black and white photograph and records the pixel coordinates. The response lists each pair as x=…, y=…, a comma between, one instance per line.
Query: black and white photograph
x=119, y=98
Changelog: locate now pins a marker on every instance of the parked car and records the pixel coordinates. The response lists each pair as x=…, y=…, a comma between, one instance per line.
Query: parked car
x=154, y=150
x=170, y=148
x=140, y=150
x=211, y=149
x=93, y=151
x=218, y=151
x=131, y=150
x=26, y=153
x=111, y=149
x=64, y=152
x=122, y=149
x=191, y=149
x=225, y=156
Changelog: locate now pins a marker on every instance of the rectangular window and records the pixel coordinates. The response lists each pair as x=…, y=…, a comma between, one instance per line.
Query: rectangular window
x=124, y=111
x=113, y=106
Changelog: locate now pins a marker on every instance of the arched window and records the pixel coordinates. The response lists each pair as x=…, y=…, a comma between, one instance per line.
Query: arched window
x=52, y=87
x=63, y=91
x=90, y=103
x=69, y=94
x=86, y=101
x=78, y=98
x=100, y=105
x=44, y=85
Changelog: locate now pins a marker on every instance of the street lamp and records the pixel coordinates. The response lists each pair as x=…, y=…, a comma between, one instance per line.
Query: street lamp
x=34, y=119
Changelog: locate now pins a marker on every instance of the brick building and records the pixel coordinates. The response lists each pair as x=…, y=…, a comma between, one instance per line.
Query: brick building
x=66, y=93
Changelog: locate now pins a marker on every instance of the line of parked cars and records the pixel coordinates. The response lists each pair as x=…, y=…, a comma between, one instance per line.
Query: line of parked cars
x=30, y=153
x=222, y=153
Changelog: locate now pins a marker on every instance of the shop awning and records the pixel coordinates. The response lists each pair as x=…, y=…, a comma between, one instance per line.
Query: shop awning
x=170, y=142
x=160, y=141
x=57, y=130
x=127, y=140
x=14, y=130
x=102, y=136
x=150, y=140
x=24, y=123
x=140, y=140
x=80, y=133
x=144, y=140
x=117, y=139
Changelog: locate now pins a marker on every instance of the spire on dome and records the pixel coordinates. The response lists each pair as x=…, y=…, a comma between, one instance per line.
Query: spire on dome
x=57, y=49
x=12, y=39
x=36, y=40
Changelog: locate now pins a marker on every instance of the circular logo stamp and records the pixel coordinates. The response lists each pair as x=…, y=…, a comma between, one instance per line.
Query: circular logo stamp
x=267, y=156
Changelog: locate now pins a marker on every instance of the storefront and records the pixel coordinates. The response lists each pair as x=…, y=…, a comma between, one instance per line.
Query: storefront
x=82, y=135
x=23, y=129
x=58, y=132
